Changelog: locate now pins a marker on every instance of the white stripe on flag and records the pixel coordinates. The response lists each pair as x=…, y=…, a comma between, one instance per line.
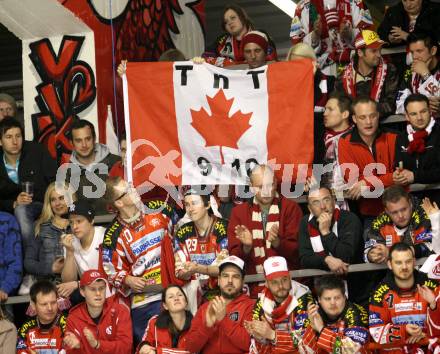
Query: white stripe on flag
x=127, y=129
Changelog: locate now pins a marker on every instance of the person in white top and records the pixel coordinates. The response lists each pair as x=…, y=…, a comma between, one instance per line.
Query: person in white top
x=81, y=248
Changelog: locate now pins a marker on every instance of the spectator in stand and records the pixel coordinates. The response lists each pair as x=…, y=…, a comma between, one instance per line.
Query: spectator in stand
x=218, y=326
x=418, y=152
x=11, y=263
x=280, y=315
x=424, y=74
x=44, y=332
x=8, y=106
x=89, y=159
x=364, y=148
x=46, y=249
x=323, y=84
x=81, y=247
x=132, y=252
x=169, y=329
x=200, y=245
x=23, y=161
x=329, y=238
x=403, y=221
x=336, y=325
x=228, y=49
x=265, y=226
x=406, y=17
x=100, y=324
x=119, y=168
x=8, y=335
x=172, y=54
x=399, y=305
x=330, y=27
x=255, y=46
x=337, y=122
x=368, y=74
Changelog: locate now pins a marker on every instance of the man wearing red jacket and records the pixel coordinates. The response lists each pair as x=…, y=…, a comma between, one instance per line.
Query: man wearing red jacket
x=265, y=227
x=368, y=153
x=98, y=325
x=218, y=326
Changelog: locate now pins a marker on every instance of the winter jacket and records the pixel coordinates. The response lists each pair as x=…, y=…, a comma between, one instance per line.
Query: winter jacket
x=42, y=251
x=427, y=21
x=11, y=264
x=426, y=165
x=345, y=242
x=8, y=336
x=35, y=165
x=91, y=179
x=228, y=336
x=392, y=308
x=113, y=330
x=353, y=150
x=290, y=216
x=390, y=88
x=159, y=337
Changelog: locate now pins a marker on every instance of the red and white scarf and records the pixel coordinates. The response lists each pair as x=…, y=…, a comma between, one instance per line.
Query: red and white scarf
x=330, y=139
x=417, y=138
x=349, y=80
x=332, y=17
x=260, y=245
x=277, y=314
x=315, y=235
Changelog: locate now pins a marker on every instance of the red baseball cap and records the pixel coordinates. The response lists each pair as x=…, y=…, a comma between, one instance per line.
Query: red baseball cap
x=90, y=276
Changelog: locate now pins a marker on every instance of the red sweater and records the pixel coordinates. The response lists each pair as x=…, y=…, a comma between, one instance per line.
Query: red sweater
x=290, y=217
x=113, y=330
x=228, y=336
x=352, y=150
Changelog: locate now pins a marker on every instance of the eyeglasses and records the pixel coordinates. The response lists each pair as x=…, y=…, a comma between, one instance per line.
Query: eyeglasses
x=130, y=188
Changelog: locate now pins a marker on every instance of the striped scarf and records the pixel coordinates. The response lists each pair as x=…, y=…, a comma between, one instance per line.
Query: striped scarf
x=315, y=236
x=259, y=245
x=277, y=314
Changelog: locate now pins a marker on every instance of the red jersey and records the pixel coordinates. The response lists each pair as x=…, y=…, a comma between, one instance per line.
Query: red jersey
x=31, y=335
x=392, y=308
x=135, y=250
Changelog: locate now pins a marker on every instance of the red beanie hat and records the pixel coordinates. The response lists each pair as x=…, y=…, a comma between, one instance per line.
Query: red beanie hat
x=256, y=37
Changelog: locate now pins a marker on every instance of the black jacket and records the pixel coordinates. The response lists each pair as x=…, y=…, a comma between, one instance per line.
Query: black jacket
x=347, y=245
x=36, y=165
x=428, y=20
x=425, y=166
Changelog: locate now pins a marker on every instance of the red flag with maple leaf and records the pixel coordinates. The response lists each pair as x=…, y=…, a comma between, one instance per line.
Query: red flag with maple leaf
x=199, y=124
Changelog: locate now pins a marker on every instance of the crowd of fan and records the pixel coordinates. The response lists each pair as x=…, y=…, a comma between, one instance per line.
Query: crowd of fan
x=164, y=279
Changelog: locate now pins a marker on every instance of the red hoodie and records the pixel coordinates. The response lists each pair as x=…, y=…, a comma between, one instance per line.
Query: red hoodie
x=228, y=336
x=113, y=330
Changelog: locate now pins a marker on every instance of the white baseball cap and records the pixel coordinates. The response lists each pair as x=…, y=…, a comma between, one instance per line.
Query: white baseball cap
x=275, y=267
x=238, y=262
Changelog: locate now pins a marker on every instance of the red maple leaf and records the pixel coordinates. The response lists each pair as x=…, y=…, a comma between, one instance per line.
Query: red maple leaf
x=218, y=129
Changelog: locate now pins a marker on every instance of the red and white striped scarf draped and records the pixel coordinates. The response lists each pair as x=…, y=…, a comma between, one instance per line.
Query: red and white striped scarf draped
x=417, y=138
x=342, y=9
x=330, y=138
x=349, y=80
x=315, y=236
x=260, y=245
x=277, y=314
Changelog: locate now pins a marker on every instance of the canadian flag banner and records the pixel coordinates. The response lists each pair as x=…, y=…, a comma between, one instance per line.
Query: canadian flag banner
x=199, y=124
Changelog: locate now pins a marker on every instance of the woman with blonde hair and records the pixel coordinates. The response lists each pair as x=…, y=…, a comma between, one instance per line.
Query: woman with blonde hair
x=43, y=254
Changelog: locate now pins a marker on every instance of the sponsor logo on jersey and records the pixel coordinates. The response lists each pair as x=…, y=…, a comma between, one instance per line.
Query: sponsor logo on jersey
x=233, y=316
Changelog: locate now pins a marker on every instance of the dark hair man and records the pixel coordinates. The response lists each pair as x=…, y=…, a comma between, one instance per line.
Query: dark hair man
x=23, y=161
x=402, y=221
x=45, y=331
x=399, y=305
x=336, y=325
x=218, y=326
x=424, y=74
